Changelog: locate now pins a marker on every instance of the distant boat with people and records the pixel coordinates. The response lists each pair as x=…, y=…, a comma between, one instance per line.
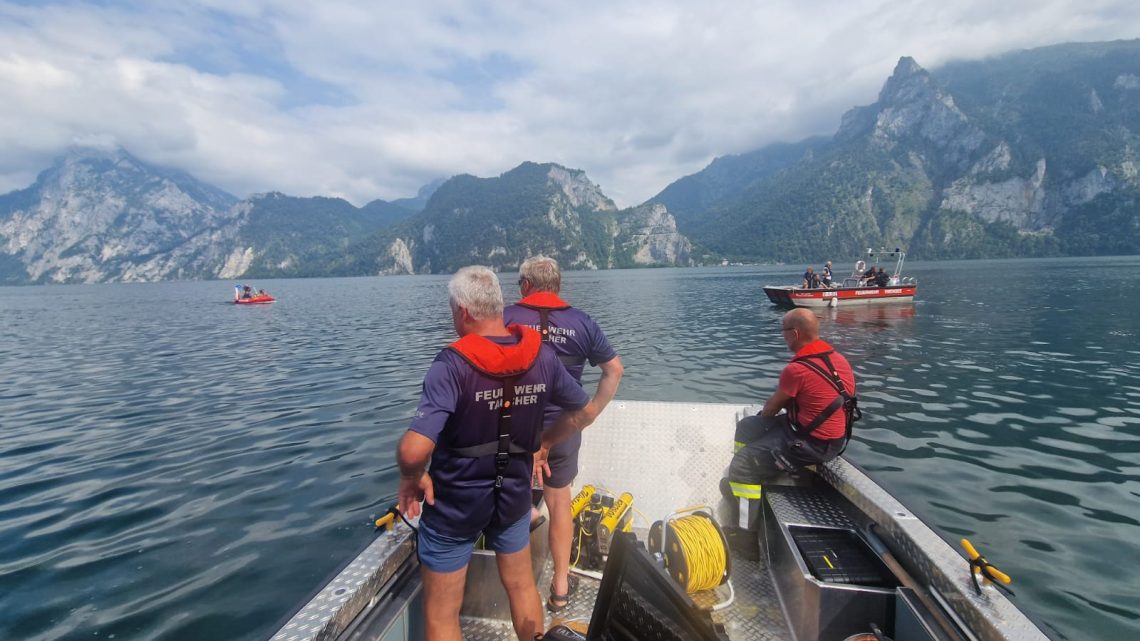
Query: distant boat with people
x=247, y=295
x=866, y=284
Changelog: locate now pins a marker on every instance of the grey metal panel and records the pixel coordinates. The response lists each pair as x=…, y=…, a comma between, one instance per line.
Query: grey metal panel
x=487, y=629
x=806, y=506
x=813, y=608
x=668, y=455
x=755, y=614
x=350, y=591
x=989, y=616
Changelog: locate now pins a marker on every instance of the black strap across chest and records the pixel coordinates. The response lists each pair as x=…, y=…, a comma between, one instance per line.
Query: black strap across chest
x=503, y=451
x=843, y=398
x=502, y=447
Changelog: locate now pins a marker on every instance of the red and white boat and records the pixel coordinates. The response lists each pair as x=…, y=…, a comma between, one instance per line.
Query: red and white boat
x=854, y=290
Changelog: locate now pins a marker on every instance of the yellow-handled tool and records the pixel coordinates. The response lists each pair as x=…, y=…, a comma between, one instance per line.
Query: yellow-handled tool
x=979, y=565
x=389, y=519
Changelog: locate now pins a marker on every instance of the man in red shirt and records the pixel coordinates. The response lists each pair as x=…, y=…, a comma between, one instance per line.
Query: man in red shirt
x=817, y=390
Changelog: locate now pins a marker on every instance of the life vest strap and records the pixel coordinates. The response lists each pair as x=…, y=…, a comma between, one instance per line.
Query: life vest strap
x=544, y=323
x=485, y=449
x=844, y=399
x=503, y=453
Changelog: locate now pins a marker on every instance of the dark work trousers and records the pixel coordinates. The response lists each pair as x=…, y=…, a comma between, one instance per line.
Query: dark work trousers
x=770, y=449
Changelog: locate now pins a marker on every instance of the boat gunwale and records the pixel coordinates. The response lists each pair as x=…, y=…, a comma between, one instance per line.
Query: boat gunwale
x=989, y=616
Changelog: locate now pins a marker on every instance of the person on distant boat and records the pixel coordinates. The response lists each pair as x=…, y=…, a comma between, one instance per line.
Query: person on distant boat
x=247, y=292
x=827, y=276
x=576, y=338
x=479, y=423
x=817, y=391
x=262, y=292
x=868, y=276
x=811, y=279
x=882, y=278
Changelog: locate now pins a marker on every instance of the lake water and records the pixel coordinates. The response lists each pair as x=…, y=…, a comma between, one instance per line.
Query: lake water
x=174, y=467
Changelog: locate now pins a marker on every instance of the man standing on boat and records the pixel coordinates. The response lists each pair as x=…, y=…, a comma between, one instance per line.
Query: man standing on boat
x=479, y=421
x=817, y=390
x=577, y=339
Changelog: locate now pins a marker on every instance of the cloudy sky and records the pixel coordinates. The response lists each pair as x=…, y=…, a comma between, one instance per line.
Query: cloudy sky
x=370, y=100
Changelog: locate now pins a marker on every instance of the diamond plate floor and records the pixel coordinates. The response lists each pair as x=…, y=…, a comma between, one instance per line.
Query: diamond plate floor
x=755, y=614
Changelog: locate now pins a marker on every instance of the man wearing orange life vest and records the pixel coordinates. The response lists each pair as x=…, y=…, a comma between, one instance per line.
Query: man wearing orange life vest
x=479, y=422
x=577, y=339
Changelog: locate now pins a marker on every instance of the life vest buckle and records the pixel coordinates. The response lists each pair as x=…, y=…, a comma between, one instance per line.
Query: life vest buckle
x=499, y=481
x=502, y=459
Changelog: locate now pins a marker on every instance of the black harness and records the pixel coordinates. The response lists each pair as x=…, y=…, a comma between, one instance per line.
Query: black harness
x=544, y=328
x=843, y=398
x=502, y=447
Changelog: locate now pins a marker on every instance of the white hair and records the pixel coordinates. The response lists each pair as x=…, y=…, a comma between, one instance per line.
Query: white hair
x=476, y=289
x=542, y=273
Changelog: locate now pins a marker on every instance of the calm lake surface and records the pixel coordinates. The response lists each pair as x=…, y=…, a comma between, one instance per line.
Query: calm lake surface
x=174, y=467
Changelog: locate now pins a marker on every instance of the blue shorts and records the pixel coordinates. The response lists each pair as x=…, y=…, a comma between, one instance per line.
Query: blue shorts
x=563, y=463
x=442, y=553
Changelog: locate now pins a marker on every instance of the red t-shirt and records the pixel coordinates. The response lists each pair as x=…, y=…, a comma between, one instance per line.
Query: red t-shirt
x=812, y=393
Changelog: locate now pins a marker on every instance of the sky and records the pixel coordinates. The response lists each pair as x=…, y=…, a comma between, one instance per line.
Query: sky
x=367, y=100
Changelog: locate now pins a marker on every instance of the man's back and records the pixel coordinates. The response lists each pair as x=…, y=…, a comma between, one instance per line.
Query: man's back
x=460, y=408
x=813, y=393
x=574, y=335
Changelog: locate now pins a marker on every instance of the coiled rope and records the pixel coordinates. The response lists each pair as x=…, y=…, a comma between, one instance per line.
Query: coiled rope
x=702, y=547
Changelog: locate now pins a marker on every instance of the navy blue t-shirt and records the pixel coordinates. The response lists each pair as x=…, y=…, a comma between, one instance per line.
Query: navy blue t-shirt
x=459, y=408
x=577, y=339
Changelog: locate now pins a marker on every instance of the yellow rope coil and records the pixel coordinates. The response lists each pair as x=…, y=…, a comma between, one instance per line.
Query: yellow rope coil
x=703, y=550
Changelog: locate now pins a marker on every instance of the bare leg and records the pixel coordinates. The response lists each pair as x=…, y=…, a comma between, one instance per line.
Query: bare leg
x=516, y=572
x=443, y=596
x=561, y=534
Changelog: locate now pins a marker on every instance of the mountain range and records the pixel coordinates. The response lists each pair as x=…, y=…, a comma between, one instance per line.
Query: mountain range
x=1034, y=153
x=1029, y=154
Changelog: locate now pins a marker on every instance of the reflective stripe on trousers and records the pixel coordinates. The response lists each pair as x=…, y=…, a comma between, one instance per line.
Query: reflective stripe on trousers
x=745, y=490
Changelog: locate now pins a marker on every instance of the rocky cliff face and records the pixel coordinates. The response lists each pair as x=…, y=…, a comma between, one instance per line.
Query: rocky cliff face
x=1029, y=154
x=532, y=209
x=648, y=234
x=103, y=215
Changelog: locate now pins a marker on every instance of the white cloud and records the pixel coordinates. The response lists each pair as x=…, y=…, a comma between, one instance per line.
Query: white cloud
x=344, y=98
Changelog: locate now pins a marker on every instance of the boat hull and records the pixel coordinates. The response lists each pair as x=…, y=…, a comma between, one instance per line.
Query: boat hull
x=256, y=300
x=789, y=296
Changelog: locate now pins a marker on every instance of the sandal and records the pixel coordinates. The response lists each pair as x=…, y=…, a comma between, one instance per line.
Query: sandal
x=559, y=602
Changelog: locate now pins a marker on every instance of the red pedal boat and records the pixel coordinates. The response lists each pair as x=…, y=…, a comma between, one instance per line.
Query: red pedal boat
x=246, y=295
x=255, y=300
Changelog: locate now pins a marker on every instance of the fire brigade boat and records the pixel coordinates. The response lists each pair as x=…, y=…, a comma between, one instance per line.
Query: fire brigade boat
x=837, y=558
x=853, y=290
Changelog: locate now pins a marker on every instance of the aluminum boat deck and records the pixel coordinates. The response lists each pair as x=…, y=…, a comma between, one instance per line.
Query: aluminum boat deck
x=673, y=455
